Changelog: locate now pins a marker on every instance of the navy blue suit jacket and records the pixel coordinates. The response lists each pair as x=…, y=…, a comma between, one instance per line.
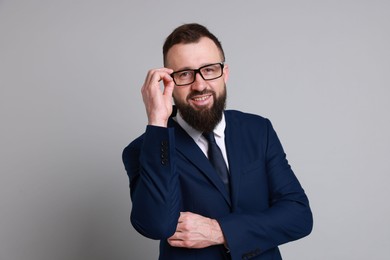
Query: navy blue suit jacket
x=169, y=174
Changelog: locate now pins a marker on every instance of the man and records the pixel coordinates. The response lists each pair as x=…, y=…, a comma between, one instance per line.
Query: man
x=241, y=206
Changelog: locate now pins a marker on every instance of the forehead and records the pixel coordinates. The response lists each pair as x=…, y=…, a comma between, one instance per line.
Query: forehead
x=193, y=55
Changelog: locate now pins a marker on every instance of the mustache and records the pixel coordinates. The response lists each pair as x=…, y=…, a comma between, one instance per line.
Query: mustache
x=195, y=93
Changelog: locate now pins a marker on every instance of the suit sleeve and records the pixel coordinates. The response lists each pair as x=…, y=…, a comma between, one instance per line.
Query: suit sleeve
x=154, y=190
x=287, y=218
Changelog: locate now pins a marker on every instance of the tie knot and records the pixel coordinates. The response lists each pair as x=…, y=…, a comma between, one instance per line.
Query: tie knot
x=209, y=137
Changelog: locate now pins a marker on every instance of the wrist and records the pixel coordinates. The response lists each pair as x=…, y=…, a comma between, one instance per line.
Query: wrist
x=161, y=123
x=216, y=233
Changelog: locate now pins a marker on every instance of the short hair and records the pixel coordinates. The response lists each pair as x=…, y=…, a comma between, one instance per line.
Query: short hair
x=189, y=33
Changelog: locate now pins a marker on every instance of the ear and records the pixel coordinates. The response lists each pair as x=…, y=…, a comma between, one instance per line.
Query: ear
x=226, y=72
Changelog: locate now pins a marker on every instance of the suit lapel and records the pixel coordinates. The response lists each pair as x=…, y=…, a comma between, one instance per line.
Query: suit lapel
x=189, y=149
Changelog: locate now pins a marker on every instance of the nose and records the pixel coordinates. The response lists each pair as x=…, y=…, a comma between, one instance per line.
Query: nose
x=199, y=84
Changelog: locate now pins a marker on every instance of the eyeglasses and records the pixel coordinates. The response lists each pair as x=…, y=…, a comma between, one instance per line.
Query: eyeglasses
x=207, y=72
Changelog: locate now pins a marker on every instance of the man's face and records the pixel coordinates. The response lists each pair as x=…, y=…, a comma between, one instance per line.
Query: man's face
x=201, y=103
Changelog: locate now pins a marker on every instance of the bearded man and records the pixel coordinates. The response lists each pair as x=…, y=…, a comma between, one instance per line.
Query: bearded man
x=209, y=183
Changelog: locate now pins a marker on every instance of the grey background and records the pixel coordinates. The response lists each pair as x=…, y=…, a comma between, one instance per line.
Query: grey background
x=70, y=77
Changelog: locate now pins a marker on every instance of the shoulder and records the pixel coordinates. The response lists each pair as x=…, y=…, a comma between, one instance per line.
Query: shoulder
x=247, y=125
x=243, y=118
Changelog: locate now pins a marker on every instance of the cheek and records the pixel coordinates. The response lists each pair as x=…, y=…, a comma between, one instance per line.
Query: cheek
x=219, y=89
x=179, y=94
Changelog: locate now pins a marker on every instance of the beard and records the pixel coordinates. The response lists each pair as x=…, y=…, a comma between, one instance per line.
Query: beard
x=204, y=119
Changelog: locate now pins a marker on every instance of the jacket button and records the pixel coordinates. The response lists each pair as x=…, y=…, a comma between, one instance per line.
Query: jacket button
x=164, y=161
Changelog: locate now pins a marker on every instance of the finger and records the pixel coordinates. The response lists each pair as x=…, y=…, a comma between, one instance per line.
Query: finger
x=168, y=86
x=154, y=76
x=182, y=227
x=159, y=70
x=153, y=79
x=175, y=243
x=178, y=235
x=185, y=214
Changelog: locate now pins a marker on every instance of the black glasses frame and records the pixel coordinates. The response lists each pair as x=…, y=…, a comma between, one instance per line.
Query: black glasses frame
x=198, y=71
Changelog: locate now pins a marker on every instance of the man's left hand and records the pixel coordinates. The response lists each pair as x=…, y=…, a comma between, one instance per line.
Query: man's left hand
x=196, y=231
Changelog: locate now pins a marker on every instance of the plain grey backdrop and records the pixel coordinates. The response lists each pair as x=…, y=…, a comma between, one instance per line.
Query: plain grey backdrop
x=70, y=79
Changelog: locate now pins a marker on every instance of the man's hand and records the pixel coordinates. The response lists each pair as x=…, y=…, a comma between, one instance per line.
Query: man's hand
x=158, y=103
x=196, y=231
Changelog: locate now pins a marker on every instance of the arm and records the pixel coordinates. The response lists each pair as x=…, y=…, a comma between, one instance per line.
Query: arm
x=288, y=216
x=154, y=188
x=149, y=162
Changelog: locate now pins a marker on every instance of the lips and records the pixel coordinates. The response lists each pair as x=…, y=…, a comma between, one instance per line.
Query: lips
x=201, y=100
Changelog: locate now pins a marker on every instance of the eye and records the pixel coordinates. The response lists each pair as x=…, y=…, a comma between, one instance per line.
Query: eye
x=185, y=74
x=209, y=70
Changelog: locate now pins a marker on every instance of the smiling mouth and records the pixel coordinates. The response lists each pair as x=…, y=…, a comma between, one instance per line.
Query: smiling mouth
x=201, y=101
x=202, y=98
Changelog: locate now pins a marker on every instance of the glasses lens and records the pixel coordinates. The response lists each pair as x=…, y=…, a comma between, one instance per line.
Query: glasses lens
x=184, y=77
x=212, y=71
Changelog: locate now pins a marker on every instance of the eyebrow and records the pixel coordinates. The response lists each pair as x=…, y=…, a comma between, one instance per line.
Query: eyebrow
x=189, y=68
x=185, y=68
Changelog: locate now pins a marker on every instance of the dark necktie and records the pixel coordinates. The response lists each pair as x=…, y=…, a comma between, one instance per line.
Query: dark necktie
x=216, y=159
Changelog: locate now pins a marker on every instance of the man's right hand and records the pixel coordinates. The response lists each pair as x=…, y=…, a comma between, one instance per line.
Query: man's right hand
x=158, y=103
